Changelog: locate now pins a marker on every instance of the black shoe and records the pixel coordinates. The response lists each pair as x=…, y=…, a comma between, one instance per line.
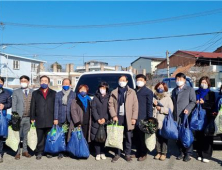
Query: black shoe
x=186, y=158
x=1, y=159
x=49, y=156
x=60, y=156
x=39, y=156
x=180, y=156
x=128, y=158
x=116, y=157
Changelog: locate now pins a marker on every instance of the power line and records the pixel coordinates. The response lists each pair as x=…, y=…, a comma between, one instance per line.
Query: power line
x=181, y=17
x=115, y=40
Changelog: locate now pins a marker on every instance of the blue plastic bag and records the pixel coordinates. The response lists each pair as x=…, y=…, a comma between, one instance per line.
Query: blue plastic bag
x=77, y=144
x=55, y=141
x=170, y=128
x=198, y=118
x=3, y=124
x=185, y=134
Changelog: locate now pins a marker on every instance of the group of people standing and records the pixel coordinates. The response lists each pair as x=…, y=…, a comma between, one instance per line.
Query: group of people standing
x=124, y=105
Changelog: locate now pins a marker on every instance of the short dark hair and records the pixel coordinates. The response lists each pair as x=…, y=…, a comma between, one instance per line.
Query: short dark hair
x=181, y=75
x=123, y=76
x=141, y=76
x=44, y=76
x=164, y=86
x=104, y=84
x=207, y=80
x=24, y=77
x=2, y=79
x=67, y=79
x=83, y=85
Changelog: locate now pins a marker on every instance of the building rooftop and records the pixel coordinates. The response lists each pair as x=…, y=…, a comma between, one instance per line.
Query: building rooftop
x=149, y=58
x=26, y=58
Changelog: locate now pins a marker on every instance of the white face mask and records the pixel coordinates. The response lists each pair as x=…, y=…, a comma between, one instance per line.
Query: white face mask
x=102, y=91
x=140, y=83
x=180, y=83
x=122, y=83
x=204, y=86
x=24, y=85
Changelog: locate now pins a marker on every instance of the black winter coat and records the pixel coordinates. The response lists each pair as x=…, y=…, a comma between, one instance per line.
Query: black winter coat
x=145, y=100
x=42, y=110
x=99, y=110
x=209, y=104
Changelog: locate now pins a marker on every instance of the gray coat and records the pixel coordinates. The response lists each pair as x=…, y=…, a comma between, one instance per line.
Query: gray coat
x=18, y=101
x=184, y=99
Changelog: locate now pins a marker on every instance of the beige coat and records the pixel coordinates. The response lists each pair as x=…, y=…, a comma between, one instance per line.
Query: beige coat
x=131, y=106
x=167, y=103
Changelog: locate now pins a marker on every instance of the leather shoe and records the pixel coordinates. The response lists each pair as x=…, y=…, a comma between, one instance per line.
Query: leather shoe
x=128, y=158
x=186, y=158
x=115, y=158
x=39, y=156
x=180, y=156
x=26, y=154
x=17, y=156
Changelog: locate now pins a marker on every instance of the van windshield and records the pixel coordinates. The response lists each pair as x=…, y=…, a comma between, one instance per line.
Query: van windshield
x=93, y=81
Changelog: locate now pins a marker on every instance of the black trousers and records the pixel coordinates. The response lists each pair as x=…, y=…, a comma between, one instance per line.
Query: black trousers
x=185, y=151
x=204, y=145
x=42, y=135
x=99, y=148
x=139, y=136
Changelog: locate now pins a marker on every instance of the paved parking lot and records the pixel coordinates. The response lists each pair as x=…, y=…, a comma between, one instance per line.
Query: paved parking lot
x=69, y=164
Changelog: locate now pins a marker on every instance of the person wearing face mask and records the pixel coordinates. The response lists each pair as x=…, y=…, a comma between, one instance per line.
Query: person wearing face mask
x=21, y=101
x=42, y=113
x=206, y=98
x=184, y=100
x=62, y=107
x=145, y=101
x=123, y=108
x=100, y=115
x=81, y=112
x=5, y=103
x=161, y=104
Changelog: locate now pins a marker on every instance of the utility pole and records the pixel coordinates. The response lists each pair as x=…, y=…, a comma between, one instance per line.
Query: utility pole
x=168, y=63
x=6, y=83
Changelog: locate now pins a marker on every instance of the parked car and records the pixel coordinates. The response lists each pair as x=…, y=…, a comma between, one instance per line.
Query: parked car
x=93, y=79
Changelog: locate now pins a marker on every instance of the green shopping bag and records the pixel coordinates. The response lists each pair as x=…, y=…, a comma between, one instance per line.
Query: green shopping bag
x=13, y=139
x=32, y=137
x=114, y=136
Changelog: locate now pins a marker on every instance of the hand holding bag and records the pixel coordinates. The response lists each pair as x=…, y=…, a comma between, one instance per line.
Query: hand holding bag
x=198, y=118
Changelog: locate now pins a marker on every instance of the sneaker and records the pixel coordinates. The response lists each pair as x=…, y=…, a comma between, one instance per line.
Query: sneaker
x=206, y=160
x=199, y=158
x=157, y=157
x=98, y=157
x=1, y=159
x=115, y=158
x=186, y=158
x=163, y=157
x=103, y=156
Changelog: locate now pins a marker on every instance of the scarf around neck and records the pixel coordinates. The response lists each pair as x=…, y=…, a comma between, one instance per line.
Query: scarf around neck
x=201, y=93
x=84, y=100
x=121, y=92
x=65, y=96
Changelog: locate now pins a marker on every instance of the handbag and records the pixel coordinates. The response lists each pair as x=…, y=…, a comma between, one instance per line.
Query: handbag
x=198, y=118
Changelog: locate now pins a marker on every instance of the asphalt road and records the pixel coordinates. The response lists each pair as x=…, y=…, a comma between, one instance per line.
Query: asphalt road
x=70, y=164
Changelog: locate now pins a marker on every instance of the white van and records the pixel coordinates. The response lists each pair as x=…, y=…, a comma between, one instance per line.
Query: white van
x=93, y=79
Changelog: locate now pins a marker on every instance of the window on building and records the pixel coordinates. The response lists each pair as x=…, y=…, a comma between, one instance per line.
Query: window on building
x=34, y=67
x=16, y=65
x=59, y=82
